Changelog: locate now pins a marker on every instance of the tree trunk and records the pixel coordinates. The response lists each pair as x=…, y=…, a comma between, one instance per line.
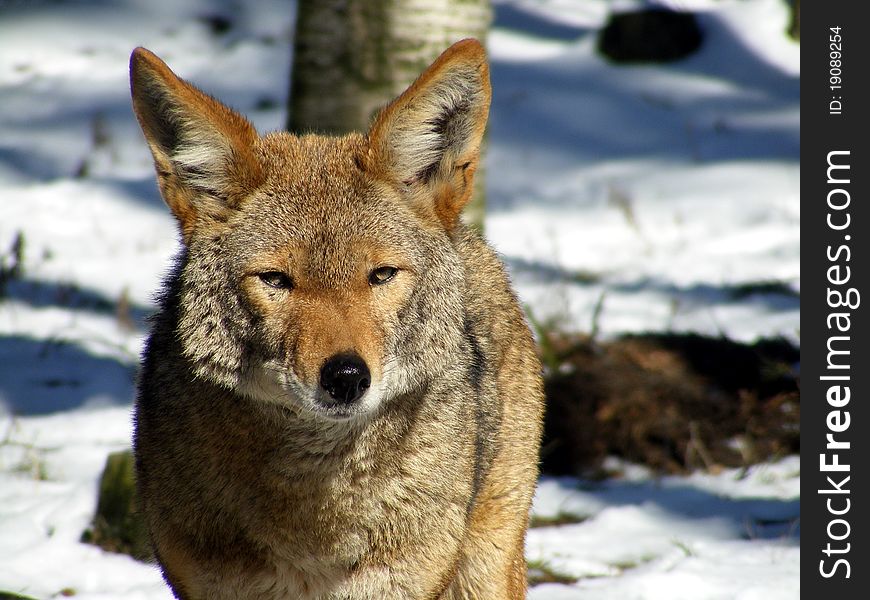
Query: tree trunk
x=794, y=26
x=353, y=56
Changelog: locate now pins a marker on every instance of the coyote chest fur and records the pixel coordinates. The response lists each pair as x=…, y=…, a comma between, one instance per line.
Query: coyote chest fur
x=339, y=397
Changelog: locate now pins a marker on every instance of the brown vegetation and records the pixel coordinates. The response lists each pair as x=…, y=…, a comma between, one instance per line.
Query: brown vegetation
x=674, y=402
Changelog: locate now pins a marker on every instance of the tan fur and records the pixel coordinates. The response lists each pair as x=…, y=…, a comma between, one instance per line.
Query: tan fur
x=254, y=483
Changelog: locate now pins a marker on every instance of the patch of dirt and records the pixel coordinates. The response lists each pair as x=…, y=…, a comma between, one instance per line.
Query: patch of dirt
x=674, y=402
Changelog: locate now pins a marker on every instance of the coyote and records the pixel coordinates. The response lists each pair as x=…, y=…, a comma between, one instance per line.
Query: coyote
x=339, y=397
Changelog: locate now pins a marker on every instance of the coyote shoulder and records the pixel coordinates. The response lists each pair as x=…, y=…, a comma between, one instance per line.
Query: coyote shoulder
x=339, y=397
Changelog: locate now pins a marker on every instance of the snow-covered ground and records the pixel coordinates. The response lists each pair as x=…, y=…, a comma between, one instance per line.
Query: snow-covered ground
x=667, y=193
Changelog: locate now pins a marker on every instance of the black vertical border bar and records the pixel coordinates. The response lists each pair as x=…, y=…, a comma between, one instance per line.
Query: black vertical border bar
x=823, y=131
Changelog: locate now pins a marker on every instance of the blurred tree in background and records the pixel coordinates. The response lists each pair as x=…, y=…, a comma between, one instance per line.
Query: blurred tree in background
x=351, y=57
x=794, y=27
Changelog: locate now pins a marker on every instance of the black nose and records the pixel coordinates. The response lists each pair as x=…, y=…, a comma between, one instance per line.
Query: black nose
x=345, y=377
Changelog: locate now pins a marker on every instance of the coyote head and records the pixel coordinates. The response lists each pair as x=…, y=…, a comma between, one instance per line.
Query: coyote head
x=319, y=273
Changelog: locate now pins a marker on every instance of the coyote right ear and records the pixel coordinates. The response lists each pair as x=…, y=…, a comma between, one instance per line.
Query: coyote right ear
x=203, y=151
x=427, y=141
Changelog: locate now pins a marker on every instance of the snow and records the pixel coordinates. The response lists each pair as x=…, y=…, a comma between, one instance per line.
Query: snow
x=669, y=186
x=669, y=194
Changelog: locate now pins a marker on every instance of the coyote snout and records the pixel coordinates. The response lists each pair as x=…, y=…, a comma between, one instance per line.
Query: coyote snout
x=339, y=397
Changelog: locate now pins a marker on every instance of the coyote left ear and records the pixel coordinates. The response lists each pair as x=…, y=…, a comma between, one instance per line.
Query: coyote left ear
x=203, y=150
x=427, y=141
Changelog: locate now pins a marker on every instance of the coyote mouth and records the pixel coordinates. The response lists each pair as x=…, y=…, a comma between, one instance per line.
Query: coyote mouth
x=337, y=412
x=368, y=402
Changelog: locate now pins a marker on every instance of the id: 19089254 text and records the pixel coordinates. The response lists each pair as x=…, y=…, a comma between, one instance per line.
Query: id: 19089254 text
x=835, y=70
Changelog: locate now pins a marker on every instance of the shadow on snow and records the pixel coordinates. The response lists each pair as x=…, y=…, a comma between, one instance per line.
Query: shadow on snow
x=557, y=107
x=45, y=294
x=750, y=518
x=774, y=295
x=39, y=377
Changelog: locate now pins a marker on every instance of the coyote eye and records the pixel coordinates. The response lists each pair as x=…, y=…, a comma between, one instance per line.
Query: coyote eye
x=382, y=275
x=276, y=279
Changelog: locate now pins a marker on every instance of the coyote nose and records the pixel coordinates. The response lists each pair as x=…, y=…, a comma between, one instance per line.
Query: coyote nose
x=345, y=377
